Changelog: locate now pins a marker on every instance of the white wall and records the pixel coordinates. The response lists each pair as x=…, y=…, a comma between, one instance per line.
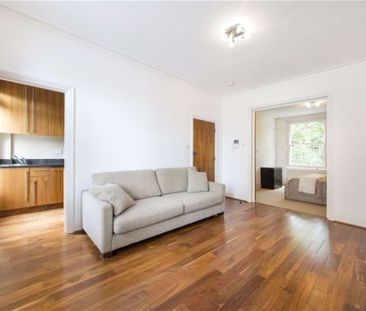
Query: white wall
x=265, y=148
x=346, y=114
x=38, y=147
x=128, y=115
x=31, y=147
x=5, y=146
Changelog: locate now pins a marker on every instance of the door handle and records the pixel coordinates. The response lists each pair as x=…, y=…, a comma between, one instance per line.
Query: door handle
x=34, y=192
x=26, y=112
x=33, y=113
x=27, y=185
x=195, y=153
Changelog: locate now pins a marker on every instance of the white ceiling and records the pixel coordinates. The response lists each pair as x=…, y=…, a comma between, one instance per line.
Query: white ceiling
x=185, y=39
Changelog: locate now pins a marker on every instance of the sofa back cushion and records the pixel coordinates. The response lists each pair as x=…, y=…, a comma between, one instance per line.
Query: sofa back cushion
x=172, y=180
x=197, y=181
x=138, y=184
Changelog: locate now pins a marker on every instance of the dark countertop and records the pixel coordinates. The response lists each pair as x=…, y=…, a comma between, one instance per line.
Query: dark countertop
x=7, y=163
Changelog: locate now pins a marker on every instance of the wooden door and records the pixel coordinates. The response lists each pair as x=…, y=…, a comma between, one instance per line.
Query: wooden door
x=14, y=107
x=14, y=188
x=204, y=147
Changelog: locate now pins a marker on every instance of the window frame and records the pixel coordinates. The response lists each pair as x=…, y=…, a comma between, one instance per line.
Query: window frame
x=306, y=120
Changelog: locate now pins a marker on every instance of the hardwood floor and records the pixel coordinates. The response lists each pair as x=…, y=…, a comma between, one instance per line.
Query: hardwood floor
x=256, y=257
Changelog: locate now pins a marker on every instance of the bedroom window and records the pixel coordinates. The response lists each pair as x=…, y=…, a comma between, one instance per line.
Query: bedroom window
x=307, y=143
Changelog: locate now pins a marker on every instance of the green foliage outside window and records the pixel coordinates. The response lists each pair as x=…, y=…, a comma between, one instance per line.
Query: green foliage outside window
x=307, y=144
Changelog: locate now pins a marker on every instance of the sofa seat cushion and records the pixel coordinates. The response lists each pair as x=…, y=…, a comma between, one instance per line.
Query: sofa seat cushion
x=194, y=201
x=147, y=212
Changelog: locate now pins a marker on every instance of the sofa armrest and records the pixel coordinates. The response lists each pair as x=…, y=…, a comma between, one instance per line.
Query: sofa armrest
x=216, y=187
x=97, y=219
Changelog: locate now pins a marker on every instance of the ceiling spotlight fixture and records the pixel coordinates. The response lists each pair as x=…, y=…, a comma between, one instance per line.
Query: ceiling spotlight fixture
x=230, y=83
x=235, y=32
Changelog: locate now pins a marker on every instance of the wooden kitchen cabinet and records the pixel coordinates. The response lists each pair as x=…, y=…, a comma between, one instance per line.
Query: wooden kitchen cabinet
x=56, y=193
x=47, y=113
x=39, y=185
x=40, y=107
x=15, y=102
x=28, y=187
x=56, y=114
x=14, y=188
x=30, y=110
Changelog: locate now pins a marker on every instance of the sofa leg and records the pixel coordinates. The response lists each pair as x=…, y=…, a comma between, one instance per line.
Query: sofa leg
x=106, y=255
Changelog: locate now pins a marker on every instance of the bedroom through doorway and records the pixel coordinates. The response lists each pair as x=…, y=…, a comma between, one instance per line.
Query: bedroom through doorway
x=290, y=144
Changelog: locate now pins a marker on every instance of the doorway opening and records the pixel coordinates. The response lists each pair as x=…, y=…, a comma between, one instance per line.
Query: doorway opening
x=37, y=146
x=290, y=156
x=204, y=147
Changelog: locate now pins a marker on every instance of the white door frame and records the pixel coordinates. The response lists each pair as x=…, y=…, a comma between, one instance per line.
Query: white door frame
x=69, y=138
x=330, y=144
x=192, y=141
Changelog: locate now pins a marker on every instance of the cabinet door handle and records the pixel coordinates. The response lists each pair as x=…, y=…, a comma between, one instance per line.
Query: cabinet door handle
x=33, y=113
x=27, y=185
x=26, y=114
x=34, y=192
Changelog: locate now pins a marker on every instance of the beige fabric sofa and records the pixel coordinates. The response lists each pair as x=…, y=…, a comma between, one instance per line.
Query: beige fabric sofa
x=162, y=204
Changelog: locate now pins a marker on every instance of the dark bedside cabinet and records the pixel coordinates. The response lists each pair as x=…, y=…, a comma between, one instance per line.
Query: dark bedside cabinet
x=271, y=177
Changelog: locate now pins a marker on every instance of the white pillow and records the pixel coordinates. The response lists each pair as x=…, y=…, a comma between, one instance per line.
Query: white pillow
x=115, y=196
x=197, y=181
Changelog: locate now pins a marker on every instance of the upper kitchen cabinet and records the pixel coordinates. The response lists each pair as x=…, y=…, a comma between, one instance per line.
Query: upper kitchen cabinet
x=47, y=113
x=15, y=102
x=30, y=110
x=40, y=108
x=56, y=114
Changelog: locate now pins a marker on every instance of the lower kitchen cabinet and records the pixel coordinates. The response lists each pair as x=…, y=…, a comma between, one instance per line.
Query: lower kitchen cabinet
x=56, y=193
x=27, y=187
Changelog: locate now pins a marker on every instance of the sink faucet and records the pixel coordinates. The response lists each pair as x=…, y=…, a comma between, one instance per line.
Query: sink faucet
x=20, y=159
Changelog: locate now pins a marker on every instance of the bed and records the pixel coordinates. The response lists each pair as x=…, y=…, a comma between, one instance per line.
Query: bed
x=319, y=197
